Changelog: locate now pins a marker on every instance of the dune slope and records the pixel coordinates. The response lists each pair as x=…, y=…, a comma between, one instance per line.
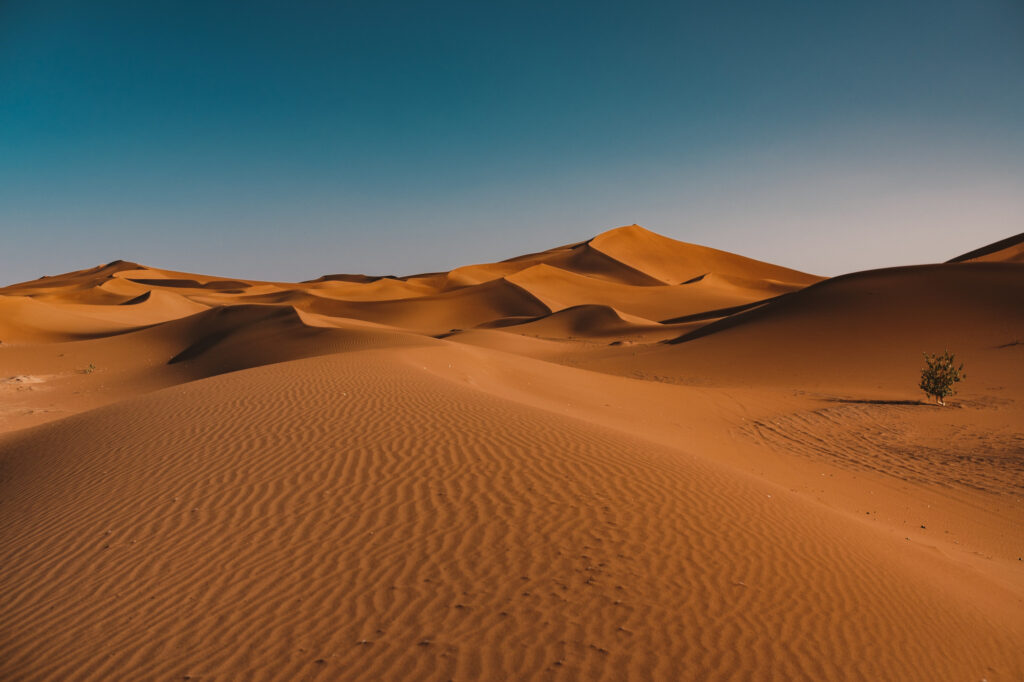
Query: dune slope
x=1006, y=250
x=357, y=517
x=865, y=330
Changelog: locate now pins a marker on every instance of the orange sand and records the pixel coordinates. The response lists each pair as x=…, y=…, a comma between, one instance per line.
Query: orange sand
x=625, y=459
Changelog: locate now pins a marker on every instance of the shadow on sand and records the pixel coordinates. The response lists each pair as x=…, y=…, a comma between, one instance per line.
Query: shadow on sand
x=878, y=402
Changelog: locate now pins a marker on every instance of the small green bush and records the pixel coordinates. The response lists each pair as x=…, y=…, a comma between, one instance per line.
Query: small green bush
x=939, y=375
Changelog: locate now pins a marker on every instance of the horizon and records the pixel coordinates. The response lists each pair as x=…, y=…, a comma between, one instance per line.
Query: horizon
x=497, y=260
x=287, y=143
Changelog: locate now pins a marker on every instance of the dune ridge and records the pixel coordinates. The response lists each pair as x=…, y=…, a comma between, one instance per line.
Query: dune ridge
x=1010, y=250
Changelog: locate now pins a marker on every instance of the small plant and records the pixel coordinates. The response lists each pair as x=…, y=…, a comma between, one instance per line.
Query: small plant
x=90, y=369
x=939, y=375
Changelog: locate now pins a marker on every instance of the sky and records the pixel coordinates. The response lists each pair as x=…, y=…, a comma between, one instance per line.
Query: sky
x=285, y=140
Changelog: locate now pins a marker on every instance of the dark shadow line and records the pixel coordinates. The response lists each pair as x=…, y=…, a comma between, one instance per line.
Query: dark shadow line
x=857, y=401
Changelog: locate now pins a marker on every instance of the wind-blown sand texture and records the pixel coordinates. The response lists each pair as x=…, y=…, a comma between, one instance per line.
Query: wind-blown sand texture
x=625, y=459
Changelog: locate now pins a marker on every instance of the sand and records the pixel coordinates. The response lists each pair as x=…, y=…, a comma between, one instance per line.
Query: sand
x=625, y=459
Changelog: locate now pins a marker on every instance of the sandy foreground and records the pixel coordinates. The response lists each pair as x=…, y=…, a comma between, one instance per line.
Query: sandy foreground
x=625, y=459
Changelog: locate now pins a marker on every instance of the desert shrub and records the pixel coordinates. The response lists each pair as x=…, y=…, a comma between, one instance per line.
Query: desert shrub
x=939, y=374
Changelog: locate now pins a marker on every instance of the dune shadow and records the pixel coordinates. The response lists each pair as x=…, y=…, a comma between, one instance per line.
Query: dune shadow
x=141, y=298
x=859, y=401
x=224, y=286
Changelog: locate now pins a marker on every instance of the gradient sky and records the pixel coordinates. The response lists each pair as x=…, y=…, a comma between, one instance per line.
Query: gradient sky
x=284, y=140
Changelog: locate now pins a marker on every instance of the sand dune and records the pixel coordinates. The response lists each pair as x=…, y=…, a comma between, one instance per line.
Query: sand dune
x=674, y=262
x=439, y=313
x=453, y=532
x=865, y=330
x=78, y=279
x=30, y=320
x=627, y=458
x=629, y=268
x=587, y=321
x=1009, y=250
x=384, y=289
x=238, y=337
x=560, y=289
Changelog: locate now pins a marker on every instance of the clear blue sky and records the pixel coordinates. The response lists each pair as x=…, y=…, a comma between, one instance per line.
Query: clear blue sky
x=291, y=139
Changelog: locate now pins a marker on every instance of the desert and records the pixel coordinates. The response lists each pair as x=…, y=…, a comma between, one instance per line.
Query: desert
x=626, y=458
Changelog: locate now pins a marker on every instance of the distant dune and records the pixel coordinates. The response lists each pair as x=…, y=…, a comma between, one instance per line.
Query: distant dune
x=1009, y=250
x=629, y=458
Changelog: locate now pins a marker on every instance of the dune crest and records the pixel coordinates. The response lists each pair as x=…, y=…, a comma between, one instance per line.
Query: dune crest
x=629, y=268
x=1009, y=250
